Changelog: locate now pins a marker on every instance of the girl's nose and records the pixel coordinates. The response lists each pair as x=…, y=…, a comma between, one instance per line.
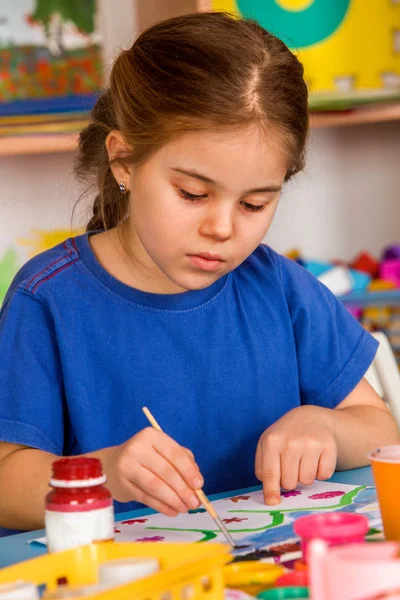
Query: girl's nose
x=218, y=222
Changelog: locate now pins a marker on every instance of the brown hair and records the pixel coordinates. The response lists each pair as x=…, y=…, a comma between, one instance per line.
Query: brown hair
x=192, y=72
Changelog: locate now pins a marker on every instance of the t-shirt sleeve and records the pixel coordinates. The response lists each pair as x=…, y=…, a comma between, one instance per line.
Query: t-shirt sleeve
x=334, y=351
x=31, y=389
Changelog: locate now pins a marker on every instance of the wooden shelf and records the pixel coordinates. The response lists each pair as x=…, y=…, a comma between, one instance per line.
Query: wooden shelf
x=371, y=114
x=67, y=142
x=362, y=299
x=38, y=144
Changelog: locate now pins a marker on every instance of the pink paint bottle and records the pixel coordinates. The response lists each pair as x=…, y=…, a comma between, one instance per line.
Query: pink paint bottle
x=368, y=571
x=79, y=509
x=336, y=529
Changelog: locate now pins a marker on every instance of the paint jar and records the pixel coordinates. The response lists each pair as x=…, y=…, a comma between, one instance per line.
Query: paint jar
x=79, y=509
x=19, y=590
x=119, y=571
x=284, y=593
x=251, y=576
x=367, y=571
x=388, y=596
x=293, y=578
x=386, y=471
x=336, y=529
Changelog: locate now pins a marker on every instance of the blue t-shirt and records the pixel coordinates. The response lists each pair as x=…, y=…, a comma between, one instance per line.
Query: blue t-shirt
x=81, y=353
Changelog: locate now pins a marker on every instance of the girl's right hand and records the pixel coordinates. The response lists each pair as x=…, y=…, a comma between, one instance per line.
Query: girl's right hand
x=153, y=469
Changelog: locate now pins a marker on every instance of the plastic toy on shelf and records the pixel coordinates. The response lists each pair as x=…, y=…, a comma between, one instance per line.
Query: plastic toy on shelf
x=369, y=287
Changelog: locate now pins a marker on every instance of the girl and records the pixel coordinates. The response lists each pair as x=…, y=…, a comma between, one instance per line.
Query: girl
x=169, y=299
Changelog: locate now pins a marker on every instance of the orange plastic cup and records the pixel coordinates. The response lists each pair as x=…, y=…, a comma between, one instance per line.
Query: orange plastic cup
x=386, y=470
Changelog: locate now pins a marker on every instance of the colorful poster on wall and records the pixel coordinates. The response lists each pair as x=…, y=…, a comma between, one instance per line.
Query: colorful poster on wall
x=50, y=56
x=348, y=47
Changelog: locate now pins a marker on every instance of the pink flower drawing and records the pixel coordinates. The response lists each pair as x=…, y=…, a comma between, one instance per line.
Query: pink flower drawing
x=326, y=495
x=291, y=493
x=156, y=538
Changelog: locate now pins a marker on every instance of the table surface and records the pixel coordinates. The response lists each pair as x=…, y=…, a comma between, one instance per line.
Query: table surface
x=15, y=548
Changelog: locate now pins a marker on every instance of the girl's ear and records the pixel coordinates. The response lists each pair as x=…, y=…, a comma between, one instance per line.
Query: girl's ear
x=117, y=148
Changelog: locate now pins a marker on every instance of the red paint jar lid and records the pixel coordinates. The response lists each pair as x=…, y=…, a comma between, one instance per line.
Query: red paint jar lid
x=77, y=469
x=294, y=578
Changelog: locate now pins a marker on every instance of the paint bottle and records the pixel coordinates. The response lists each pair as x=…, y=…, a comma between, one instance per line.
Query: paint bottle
x=336, y=529
x=293, y=578
x=284, y=593
x=19, y=590
x=119, y=571
x=79, y=509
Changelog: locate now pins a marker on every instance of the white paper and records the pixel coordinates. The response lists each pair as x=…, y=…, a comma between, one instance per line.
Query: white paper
x=249, y=520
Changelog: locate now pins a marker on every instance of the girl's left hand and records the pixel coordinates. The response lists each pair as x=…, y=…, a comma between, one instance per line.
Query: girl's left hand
x=298, y=448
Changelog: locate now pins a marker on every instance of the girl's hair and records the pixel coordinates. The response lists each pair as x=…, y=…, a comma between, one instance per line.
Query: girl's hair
x=194, y=72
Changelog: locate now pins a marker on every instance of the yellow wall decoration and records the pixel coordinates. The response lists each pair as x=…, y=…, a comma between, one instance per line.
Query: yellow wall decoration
x=345, y=45
x=44, y=239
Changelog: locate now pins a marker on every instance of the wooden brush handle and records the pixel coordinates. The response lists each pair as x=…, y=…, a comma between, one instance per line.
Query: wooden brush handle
x=151, y=419
x=206, y=503
x=199, y=493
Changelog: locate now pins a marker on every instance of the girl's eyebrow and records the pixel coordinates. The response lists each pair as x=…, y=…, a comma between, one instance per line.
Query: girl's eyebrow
x=196, y=175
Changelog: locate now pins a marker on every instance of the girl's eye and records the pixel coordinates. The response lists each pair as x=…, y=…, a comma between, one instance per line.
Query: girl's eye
x=189, y=196
x=253, y=207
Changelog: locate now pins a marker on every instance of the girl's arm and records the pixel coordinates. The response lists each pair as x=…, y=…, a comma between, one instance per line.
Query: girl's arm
x=361, y=423
x=310, y=442
x=24, y=478
x=150, y=468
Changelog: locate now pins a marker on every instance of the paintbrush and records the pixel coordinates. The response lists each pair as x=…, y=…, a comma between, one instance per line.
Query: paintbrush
x=199, y=493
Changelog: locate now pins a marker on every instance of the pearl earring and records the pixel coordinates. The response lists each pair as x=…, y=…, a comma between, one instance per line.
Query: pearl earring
x=122, y=187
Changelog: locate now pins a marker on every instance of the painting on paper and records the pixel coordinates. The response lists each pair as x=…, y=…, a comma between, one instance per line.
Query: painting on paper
x=250, y=521
x=50, y=56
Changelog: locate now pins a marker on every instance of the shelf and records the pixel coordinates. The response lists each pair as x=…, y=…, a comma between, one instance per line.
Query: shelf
x=371, y=114
x=389, y=298
x=38, y=144
x=67, y=142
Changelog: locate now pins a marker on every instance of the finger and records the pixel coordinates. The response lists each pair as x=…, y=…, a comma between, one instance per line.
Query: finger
x=155, y=487
x=290, y=464
x=271, y=475
x=165, y=471
x=144, y=497
x=258, y=462
x=179, y=459
x=308, y=468
x=327, y=464
x=189, y=453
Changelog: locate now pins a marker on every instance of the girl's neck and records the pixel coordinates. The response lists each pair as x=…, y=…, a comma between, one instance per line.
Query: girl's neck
x=120, y=255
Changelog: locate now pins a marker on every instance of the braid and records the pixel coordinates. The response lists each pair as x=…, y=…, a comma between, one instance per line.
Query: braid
x=109, y=206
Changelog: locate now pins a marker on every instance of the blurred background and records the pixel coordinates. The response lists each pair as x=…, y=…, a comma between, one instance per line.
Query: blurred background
x=55, y=55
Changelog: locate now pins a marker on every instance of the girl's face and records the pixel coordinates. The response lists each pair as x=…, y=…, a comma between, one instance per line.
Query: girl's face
x=202, y=203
